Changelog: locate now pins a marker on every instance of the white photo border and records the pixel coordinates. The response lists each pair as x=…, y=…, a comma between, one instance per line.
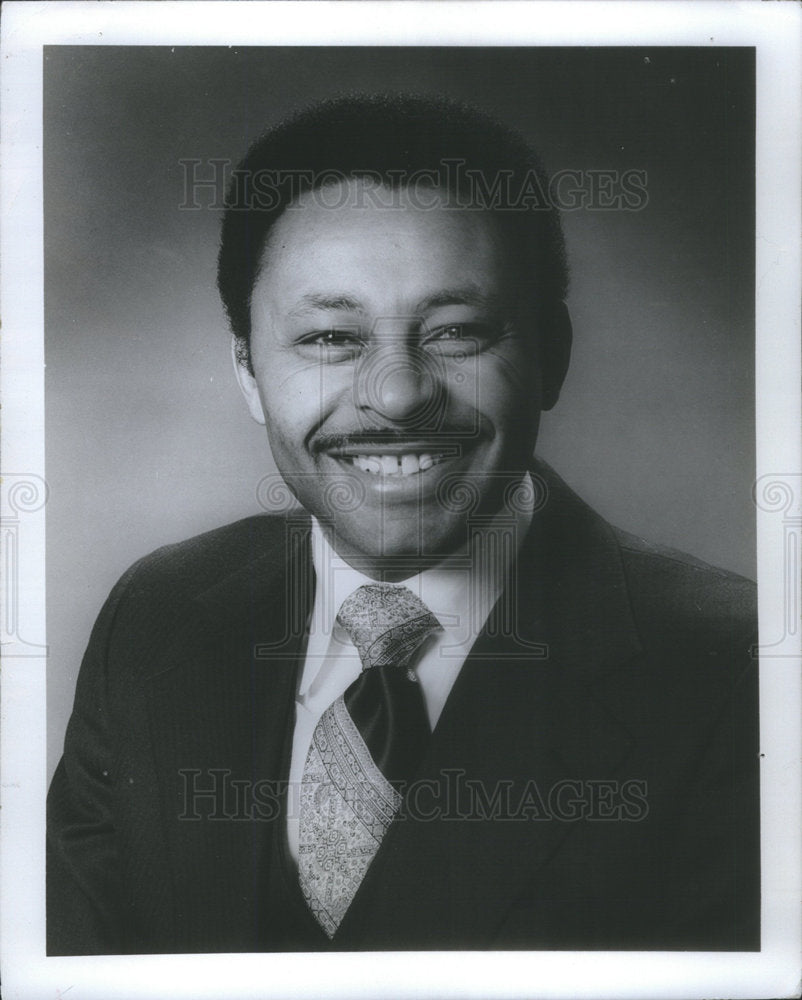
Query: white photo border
x=774, y=30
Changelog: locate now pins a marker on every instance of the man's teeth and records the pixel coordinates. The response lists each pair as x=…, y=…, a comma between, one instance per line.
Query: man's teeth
x=394, y=465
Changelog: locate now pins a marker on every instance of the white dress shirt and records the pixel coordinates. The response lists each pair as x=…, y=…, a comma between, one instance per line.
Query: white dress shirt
x=460, y=592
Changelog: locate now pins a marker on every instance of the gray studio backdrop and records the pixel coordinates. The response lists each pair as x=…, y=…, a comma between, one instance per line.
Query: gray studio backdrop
x=148, y=440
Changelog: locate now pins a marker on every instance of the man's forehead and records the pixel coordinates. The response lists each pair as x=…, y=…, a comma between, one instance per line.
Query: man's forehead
x=369, y=192
x=345, y=257
x=350, y=205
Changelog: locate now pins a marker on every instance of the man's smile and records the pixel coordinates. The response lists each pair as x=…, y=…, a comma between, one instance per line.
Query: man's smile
x=396, y=465
x=380, y=460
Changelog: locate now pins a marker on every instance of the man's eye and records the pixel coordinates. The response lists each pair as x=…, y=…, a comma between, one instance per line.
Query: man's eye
x=464, y=337
x=334, y=338
x=455, y=331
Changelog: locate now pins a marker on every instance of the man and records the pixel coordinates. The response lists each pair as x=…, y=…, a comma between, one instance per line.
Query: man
x=447, y=706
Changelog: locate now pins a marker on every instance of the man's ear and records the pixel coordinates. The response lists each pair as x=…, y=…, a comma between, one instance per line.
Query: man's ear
x=247, y=384
x=555, y=352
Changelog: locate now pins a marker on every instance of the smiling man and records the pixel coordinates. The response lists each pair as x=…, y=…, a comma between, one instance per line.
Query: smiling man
x=445, y=705
x=393, y=352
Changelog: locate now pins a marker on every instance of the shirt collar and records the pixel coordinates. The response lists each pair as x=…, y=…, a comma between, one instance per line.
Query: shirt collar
x=463, y=581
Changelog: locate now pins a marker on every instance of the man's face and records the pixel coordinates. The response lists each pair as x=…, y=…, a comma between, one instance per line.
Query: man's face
x=395, y=370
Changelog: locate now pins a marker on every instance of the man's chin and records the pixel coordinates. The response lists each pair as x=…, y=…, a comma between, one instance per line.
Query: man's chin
x=396, y=550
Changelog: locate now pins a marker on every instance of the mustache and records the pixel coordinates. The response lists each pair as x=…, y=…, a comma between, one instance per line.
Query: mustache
x=365, y=436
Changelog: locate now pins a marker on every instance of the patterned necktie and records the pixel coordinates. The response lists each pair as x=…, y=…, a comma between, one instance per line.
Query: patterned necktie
x=367, y=743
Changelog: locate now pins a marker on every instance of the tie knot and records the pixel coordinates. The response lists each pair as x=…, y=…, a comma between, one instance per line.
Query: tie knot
x=387, y=623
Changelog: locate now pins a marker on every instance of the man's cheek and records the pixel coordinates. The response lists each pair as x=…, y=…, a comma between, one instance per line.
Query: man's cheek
x=288, y=452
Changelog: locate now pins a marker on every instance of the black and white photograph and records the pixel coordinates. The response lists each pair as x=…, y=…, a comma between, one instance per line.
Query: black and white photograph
x=412, y=506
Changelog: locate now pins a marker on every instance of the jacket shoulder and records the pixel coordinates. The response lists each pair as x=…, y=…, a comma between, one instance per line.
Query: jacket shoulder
x=195, y=564
x=679, y=599
x=164, y=591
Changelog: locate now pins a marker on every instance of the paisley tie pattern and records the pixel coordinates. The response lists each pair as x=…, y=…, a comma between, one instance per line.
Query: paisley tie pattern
x=367, y=743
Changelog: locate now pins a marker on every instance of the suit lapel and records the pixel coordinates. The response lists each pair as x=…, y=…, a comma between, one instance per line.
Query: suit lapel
x=527, y=713
x=220, y=709
x=526, y=720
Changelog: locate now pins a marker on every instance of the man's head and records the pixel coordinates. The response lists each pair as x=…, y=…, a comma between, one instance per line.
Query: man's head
x=395, y=285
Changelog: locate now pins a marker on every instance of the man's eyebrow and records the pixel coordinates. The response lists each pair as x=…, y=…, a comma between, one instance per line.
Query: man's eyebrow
x=467, y=295
x=337, y=302
x=470, y=295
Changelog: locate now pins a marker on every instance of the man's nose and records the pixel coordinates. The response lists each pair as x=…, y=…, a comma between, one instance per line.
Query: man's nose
x=398, y=382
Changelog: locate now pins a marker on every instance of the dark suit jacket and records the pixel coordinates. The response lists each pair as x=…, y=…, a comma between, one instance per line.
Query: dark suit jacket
x=591, y=784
